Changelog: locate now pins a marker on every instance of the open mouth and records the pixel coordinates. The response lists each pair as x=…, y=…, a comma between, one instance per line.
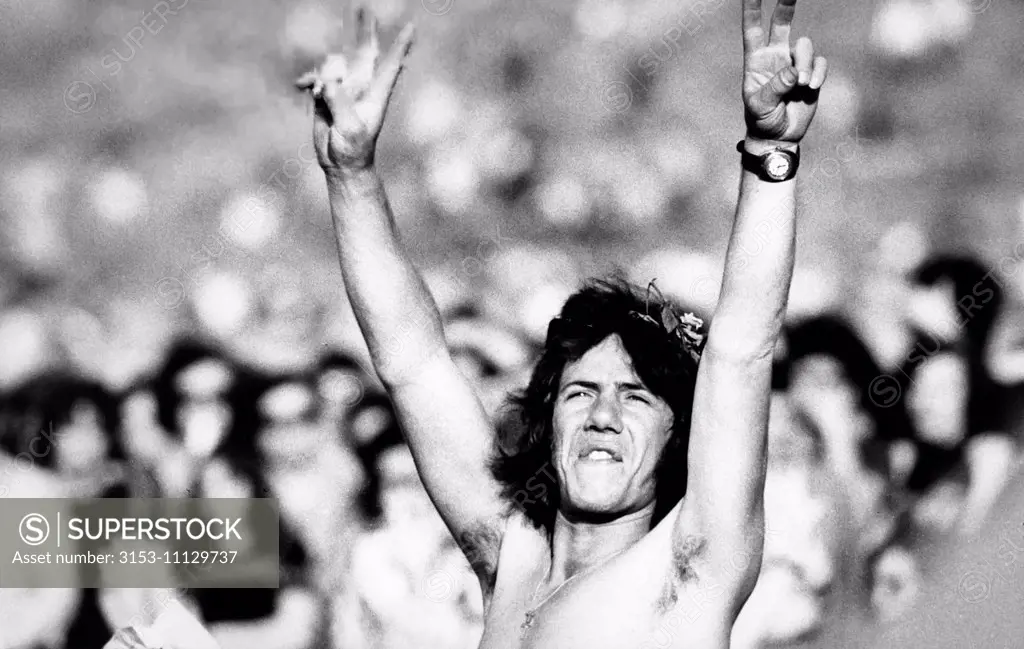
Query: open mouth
x=600, y=454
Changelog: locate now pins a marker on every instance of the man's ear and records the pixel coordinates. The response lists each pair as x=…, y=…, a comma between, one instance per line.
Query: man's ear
x=670, y=434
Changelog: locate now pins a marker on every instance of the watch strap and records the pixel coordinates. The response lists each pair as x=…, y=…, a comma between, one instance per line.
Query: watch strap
x=755, y=164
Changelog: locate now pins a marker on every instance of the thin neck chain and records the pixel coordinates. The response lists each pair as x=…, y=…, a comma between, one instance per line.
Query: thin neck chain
x=531, y=613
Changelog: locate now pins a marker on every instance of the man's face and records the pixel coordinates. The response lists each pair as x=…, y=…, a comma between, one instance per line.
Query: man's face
x=339, y=389
x=609, y=433
x=83, y=444
x=933, y=309
x=938, y=399
x=204, y=417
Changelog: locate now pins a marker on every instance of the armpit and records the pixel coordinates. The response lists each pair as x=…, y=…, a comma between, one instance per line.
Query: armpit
x=686, y=552
x=481, y=545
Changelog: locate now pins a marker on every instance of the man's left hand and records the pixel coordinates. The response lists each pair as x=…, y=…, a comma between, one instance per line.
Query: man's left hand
x=780, y=81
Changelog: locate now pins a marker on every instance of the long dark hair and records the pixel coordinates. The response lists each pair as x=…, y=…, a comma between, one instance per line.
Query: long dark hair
x=600, y=309
x=36, y=411
x=831, y=335
x=979, y=299
x=986, y=399
x=370, y=451
x=977, y=292
x=245, y=386
x=182, y=353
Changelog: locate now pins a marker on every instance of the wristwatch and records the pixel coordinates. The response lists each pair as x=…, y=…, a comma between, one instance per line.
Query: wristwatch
x=776, y=166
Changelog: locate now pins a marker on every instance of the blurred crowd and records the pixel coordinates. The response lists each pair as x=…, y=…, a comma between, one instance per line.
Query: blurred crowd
x=873, y=463
x=172, y=320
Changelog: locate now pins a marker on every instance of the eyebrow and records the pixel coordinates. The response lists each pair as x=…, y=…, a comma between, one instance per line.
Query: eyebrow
x=591, y=385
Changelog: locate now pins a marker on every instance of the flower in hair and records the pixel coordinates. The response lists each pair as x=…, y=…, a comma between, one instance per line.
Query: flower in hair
x=685, y=329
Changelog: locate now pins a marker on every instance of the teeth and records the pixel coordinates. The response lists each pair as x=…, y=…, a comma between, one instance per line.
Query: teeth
x=599, y=455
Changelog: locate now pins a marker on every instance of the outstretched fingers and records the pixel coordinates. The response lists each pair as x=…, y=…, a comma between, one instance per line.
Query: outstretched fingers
x=753, y=33
x=366, y=34
x=782, y=22
x=390, y=67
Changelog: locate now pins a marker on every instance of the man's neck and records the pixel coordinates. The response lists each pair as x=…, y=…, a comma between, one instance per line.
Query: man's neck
x=578, y=546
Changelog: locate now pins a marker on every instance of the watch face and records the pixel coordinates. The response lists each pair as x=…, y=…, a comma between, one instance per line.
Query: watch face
x=777, y=165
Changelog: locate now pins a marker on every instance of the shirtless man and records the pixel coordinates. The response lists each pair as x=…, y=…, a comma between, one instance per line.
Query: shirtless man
x=596, y=560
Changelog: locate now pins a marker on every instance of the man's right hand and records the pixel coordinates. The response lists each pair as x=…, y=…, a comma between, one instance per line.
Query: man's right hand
x=449, y=432
x=352, y=93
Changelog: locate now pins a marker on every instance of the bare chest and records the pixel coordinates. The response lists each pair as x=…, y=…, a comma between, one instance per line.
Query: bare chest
x=633, y=601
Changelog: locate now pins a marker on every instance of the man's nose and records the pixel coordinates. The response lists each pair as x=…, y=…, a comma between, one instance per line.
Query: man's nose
x=605, y=414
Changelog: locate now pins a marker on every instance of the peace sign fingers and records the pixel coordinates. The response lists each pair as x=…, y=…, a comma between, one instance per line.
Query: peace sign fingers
x=782, y=21
x=780, y=79
x=753, y=33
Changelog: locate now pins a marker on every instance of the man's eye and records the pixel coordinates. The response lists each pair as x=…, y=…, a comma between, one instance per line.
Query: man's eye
x=641, y=398
x=574, y=394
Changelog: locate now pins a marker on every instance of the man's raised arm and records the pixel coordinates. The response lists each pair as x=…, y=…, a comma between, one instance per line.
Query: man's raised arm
x=447, y=429
x=727, y=456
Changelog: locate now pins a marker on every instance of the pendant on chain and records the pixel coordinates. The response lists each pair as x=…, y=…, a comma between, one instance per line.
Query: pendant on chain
x=531, y=615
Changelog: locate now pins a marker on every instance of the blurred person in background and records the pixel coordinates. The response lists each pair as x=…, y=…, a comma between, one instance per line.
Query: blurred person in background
x=373, y=428
x=61, y=432
x=587, y=387
x=145, y=442
x=200, y=394
x=802, y=578
x=895, y=571
x=305, y=458
x=236, y=617
x=411, y=590
x=1004, y=355
x=830, y=374
x=494, y=359
x=287, y=617
x=959, y=470
x=370, y=428
x=315, y=474
x=410, y=583
x=964, y=452
x=973, y=596
x=69, y=425
x=82, y=444
x=340, y=383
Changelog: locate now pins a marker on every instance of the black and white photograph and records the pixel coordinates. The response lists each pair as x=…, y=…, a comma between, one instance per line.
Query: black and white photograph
x=497, y=324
